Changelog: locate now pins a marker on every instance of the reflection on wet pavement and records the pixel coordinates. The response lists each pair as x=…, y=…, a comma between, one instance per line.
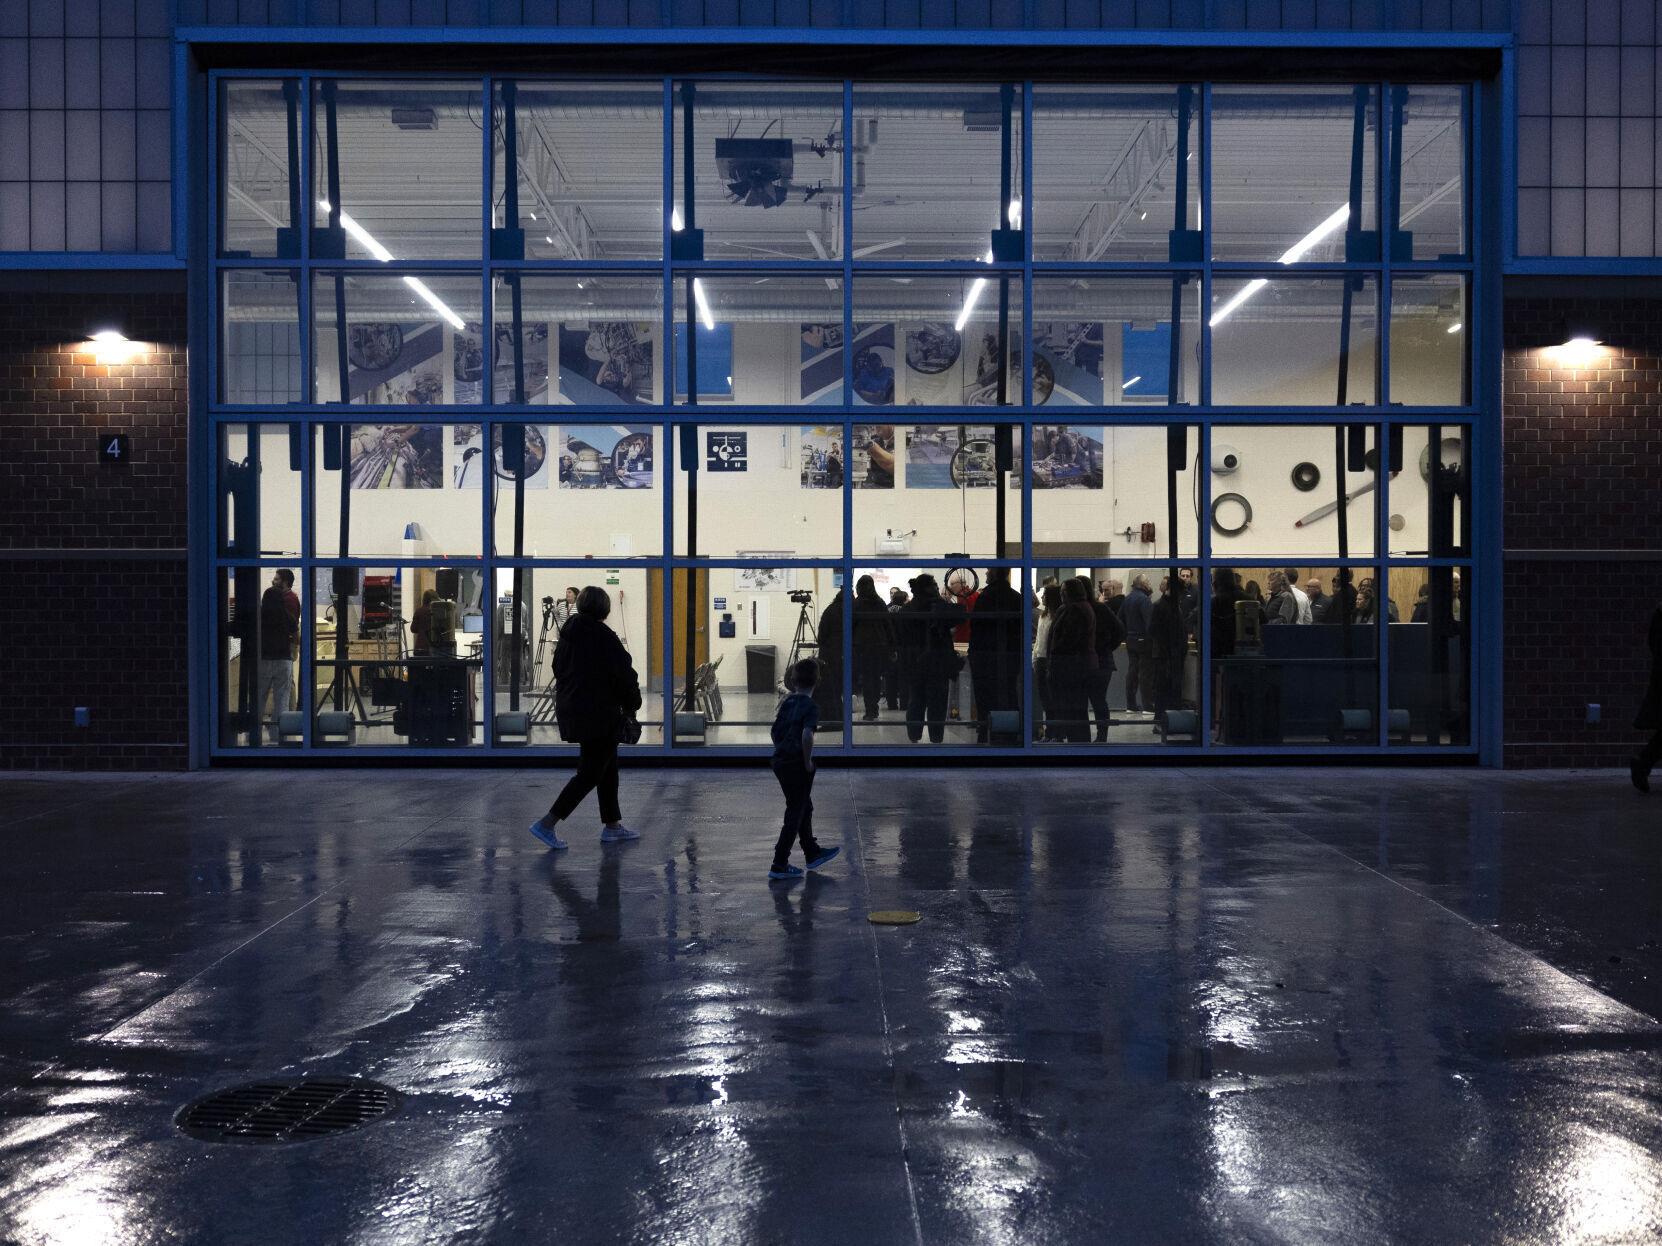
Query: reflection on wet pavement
x=1158, y=1005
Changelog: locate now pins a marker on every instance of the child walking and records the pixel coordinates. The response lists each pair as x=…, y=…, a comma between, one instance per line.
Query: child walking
x=793, y=766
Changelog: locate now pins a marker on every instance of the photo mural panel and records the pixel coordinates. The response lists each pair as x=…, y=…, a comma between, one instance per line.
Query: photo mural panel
x=397, y=456
x=609, y=362
x=1067, y=456
x=467, y=461
x=606, y=456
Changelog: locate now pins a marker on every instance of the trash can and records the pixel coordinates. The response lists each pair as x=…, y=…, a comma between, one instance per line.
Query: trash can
x=761, y=664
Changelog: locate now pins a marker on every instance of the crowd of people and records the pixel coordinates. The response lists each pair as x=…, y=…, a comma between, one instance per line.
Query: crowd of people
x=954, y=651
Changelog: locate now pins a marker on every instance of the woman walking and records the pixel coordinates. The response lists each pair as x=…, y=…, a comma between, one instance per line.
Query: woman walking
x=596, y=693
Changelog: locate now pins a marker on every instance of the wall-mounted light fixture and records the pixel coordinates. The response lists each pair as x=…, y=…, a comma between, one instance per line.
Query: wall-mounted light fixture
x=112, y=346
x=1580, y=351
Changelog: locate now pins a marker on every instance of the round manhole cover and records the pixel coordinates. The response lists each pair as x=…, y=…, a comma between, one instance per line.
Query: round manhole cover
x=291, y=1109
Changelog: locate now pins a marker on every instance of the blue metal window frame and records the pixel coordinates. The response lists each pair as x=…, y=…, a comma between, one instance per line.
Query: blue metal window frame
x=199, y=101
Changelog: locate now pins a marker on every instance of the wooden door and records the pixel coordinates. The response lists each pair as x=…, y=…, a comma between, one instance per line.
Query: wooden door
x=655, y=606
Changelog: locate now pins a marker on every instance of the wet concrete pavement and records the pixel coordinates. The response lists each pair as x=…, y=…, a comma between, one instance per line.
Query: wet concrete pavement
x=1142, y=1005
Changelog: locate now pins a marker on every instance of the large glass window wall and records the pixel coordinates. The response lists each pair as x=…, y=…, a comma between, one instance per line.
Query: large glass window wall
x=1257, y=539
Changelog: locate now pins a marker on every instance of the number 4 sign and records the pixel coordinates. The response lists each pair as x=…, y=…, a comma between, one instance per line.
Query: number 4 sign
x=114, y=447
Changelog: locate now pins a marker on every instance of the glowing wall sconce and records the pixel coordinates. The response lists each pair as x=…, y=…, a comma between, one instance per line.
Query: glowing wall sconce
x=111, y=346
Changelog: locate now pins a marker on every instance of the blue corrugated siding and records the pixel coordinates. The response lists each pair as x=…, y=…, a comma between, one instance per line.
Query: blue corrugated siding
x=1269, y=16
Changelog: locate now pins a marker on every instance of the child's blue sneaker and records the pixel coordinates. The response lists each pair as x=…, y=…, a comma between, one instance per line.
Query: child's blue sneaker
x=826, y=855
x=790, y=871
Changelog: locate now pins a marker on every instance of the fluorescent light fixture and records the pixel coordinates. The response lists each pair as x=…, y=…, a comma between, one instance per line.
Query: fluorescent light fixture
x=675, y=220
x=1296, y=252
x=1291, y=255
x=549, y=238
x=1131, y=382
x=1247, y=291
x=703, y=304
x=368, y=242
x=974, y=293
x=1456, y=327
x=435, y=302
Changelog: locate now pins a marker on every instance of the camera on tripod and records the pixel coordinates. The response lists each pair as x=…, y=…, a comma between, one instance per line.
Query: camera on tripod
x=802, y=597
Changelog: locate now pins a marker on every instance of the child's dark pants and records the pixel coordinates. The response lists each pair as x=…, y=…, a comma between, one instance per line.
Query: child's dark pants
x=798, y=784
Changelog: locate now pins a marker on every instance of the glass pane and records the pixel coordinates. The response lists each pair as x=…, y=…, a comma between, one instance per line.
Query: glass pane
x=589, y=158
x=768, y=489
x=1283, y=159
x=1428, y=341
x=594, y=335
x=1432, y=125
x=778, y=342
x=634, y=596
x=259, y=360
x=400, y=497
x=769, y=169
x=1278, y=682
x=261, y=615
x=590, y=489
x=1431, y=656
x=261, y=165
x=752, y=624
x=394, y=667
x=1114, y=173
x=1430, y=513
x=932, y=491
x=406, y=338
x=1103, y=492
x=928, y=170
x=947, y=330
x=1276, y=491
x=1108, y=341
x=1283, y=341
x=1129, y=673
x=409, y=170
x=259, y=490
x=911, y=627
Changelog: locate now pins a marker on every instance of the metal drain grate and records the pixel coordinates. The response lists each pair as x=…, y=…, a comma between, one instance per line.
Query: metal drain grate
x=287, y=1110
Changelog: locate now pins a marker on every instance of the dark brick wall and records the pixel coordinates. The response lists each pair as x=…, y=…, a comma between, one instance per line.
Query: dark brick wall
x=105, y=619
x=1583, y=472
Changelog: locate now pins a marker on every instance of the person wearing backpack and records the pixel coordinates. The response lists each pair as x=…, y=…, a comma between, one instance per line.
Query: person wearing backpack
x=279, y=630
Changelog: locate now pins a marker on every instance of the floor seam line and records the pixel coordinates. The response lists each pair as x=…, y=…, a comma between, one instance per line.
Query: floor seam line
x=1479, y=927
x=883, y=1012
x=208, y=968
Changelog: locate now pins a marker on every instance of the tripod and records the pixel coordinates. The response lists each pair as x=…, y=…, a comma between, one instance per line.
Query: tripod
x=343, y=682
x=544, y=712
x=805, y=638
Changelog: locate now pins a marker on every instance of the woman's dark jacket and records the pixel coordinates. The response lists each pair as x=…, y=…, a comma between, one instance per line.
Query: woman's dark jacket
x=594, y=681
x=873, y=628
x=1223, y=619
x=1073, y=634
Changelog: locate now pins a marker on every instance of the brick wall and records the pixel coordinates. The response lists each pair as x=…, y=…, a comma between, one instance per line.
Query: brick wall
x=92, y=555
x=1583, y=472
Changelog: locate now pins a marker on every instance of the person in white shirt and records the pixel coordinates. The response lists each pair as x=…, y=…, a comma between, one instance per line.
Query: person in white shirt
x=1300, y=597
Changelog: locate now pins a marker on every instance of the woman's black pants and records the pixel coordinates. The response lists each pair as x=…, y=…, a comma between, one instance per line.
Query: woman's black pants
x=596, y=772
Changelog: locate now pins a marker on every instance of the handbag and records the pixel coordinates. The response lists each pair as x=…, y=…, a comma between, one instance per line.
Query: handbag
x=629, y=730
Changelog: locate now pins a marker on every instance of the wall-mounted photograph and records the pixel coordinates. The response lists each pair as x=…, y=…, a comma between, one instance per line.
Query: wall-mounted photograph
x=1067, y=456
x=606, y=456
x=397, y=456
x=606, y=362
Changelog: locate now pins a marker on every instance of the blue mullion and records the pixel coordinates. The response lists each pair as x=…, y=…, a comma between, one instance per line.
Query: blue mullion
x=1205, y=386
x=667, y=603
x=1384, y=187
x=1203, y=542
x=1025, y=477
x=846, y=675
x=487, y=429
x=1487, y=548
